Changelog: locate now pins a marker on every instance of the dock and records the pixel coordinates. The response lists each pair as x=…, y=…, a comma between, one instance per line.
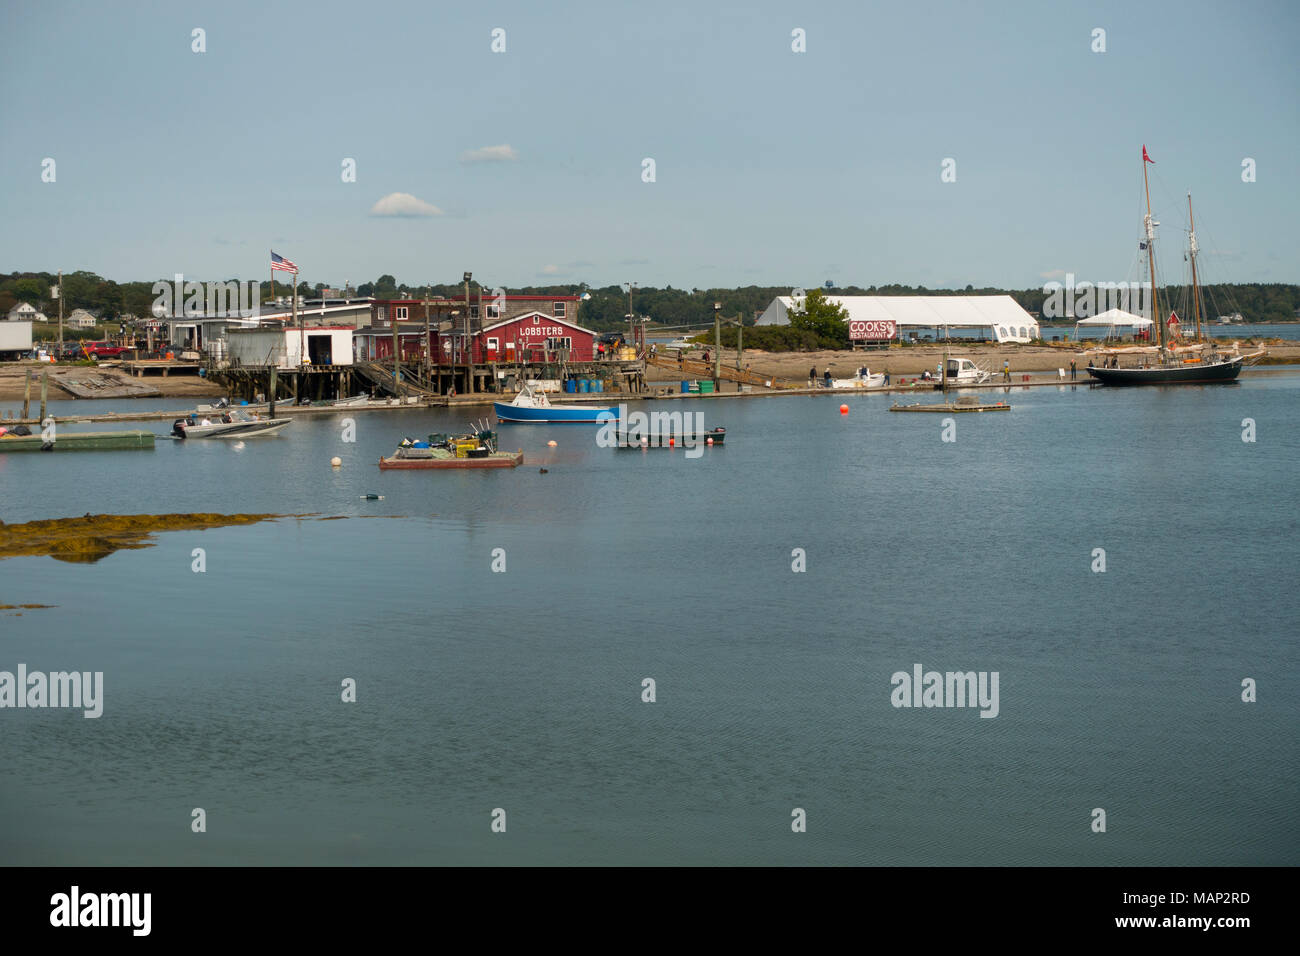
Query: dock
x=80, y=441
x=948, y=408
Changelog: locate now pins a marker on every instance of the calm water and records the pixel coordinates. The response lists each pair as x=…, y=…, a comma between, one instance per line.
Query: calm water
x=522, y=690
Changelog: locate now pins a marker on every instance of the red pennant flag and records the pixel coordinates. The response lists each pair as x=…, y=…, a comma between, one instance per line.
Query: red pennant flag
x=1145, y=157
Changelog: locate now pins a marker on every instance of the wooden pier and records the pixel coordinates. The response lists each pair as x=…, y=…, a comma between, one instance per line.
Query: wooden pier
x=416, y=379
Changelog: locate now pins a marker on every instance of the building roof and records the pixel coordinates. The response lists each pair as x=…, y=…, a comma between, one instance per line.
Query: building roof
x=473, y=299
x=524, y=315
x=931, y=311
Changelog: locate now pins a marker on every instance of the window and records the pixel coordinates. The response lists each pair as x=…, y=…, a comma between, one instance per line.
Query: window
x=473, y=312
x=399, y=312
x=383, y=313
x=536, y=319
x=492, y=345
x=557, y=309
x=493, y=312
x=559, y=343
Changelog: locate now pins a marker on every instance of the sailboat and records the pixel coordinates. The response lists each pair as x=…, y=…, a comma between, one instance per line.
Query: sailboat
x=1168, y=363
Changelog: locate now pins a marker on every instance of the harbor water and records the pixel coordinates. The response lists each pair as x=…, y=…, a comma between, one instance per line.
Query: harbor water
x=501, y=628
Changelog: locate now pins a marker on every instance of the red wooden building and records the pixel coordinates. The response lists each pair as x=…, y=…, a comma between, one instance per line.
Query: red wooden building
x=516, y=335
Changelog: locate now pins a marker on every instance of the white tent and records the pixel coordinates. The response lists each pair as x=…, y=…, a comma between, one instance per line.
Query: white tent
x=999, y=313
x=1111, y=320
x=1116, y=317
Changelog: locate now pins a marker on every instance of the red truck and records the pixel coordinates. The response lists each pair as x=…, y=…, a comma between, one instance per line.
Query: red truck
x=100, y=350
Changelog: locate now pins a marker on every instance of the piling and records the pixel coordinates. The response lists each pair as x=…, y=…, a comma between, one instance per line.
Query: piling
x=27, y=396
x=45, y=389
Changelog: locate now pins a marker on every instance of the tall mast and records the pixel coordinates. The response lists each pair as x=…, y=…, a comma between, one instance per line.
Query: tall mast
x=1151, y=255
x=1192, y=251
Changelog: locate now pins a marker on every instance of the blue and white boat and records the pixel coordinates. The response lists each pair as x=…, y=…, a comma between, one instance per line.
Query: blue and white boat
x=532, y=406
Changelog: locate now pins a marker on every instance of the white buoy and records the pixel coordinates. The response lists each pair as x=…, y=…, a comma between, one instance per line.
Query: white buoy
x=336, y=462
x=551, y=443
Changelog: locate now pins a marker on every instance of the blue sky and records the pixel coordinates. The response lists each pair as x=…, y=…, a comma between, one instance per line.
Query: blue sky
x=772, y=167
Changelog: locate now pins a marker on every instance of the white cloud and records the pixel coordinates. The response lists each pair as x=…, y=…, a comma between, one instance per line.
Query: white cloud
x=404, y=204
x=550, y=270
x=1052, y=274
x=490, y=154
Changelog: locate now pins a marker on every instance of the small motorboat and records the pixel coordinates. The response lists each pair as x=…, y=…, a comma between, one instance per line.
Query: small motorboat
x=531, y=405
x=869, y=380
x=231, y=423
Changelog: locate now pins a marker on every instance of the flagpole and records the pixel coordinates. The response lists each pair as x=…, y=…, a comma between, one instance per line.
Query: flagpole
x=302, y=336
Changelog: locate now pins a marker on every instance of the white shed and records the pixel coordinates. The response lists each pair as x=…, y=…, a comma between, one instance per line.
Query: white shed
x=283, y=348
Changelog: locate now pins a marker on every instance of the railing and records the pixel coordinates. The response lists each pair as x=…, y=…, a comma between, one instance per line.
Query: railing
x=695, y=368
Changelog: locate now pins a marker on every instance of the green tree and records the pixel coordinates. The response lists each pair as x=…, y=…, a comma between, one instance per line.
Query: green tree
x=824, y=319
x=31, y=290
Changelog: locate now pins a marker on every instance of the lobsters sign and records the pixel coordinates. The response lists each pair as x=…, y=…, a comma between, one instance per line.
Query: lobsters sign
x=871, y=329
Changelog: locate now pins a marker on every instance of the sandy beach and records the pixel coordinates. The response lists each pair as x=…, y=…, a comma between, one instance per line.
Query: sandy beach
x=13, y=382
x=793, y=367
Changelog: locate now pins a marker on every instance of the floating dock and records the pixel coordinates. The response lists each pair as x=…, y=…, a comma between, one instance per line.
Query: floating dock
x=80, y=441
x=437, y=458
x=950, y=407
x=715, y=436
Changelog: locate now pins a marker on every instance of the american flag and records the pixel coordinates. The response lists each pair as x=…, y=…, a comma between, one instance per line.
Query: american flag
x=282, y=264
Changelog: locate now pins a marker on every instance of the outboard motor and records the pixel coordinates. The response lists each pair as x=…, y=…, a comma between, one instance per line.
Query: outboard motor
x=178, y=428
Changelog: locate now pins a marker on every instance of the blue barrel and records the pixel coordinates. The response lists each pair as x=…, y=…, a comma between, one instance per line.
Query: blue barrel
x=686, y=387
x=570, y=386
x=584, y=385
x=599, y=385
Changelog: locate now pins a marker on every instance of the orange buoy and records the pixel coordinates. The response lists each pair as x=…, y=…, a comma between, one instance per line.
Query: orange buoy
x=672, y=442
x=844, y=409
x=551, y=443
x=709, y=441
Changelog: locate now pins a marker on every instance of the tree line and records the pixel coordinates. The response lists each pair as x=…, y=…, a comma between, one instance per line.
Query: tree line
x=607, y=308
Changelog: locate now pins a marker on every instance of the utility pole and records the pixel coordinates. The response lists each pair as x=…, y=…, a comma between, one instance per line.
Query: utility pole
x=465, y=341
x=631, y=334
x=60, y=310
x=427, y=345
x=740, y=348
x=397, y=354
x=717, y=345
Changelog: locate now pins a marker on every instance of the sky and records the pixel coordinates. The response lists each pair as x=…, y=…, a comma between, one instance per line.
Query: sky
x=527, y=166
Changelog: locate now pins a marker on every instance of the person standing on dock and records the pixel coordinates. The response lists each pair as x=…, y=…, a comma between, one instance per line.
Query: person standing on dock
x=1006, y=370
x=1074, y=372
x=812, y=377
x=886, y=375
